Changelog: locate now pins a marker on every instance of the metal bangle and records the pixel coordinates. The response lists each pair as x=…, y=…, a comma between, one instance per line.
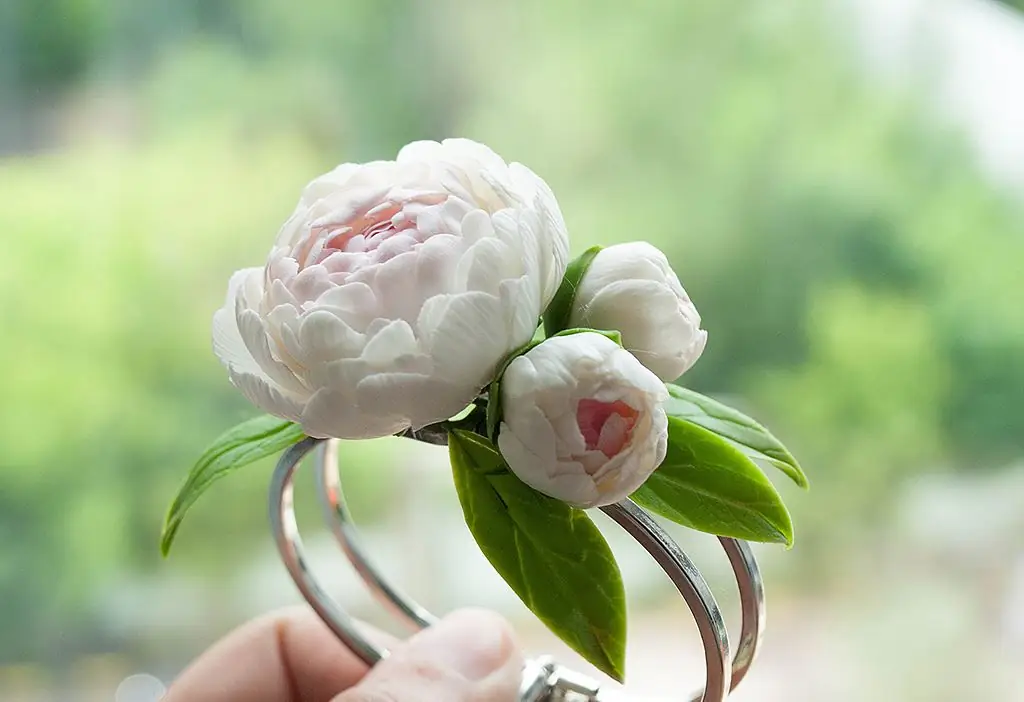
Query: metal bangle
x=543, y=679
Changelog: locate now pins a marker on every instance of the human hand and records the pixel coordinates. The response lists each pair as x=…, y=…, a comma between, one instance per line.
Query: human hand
x=469, y=656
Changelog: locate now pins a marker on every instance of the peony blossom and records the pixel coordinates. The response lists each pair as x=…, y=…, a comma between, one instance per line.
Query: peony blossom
x=583, y=420
x=633, y=289
x=394, y=291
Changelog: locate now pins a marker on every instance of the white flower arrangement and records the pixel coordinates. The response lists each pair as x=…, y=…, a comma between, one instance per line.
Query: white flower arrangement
x=432, y=297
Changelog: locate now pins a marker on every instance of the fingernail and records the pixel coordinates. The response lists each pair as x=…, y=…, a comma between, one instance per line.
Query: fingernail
x=473, y=643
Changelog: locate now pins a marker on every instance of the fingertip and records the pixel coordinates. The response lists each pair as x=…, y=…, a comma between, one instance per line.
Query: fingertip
x=286, y=656
x=471, y=654
x=473, y=642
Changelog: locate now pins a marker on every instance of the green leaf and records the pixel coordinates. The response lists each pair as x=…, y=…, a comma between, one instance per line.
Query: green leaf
x=613, y=334
x=248, y=442
x=549, y=553
x=745, y=433
x=556, y=316
x=494, y=408
x=708, y=484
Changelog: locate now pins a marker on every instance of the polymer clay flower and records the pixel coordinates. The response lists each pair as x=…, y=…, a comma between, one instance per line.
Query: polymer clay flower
x=583, y=420
x=394, y=291
x=633, y=289
x=407, y=294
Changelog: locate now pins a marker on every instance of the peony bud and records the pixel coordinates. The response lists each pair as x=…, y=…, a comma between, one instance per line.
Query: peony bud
x=631, y=288
x=394, y=291
x=582, y=420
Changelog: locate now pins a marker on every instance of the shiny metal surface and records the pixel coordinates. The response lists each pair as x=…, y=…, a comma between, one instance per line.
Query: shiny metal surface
x=332, y=499
x=752, y=606
x=544, y=680
x=289, y=545
x=691, y=585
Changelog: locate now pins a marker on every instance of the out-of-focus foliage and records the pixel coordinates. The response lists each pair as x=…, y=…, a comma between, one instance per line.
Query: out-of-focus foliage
x=855, y=273
x=859, y=279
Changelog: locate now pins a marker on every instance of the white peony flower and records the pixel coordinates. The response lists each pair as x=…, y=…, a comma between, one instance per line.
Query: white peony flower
x=633, y=289
x=583, y=419
x=394, y=291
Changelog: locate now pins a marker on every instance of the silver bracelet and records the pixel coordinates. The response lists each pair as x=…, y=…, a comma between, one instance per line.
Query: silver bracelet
x=543, y=679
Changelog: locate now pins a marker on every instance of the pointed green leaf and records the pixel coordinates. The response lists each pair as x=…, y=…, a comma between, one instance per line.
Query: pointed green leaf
x=247, y=442
x=556, y=317
x=707, y=484
x=549, y=553
x=745, y=433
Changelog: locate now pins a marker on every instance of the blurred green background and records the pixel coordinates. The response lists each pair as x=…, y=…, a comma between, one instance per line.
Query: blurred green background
x=860, y=276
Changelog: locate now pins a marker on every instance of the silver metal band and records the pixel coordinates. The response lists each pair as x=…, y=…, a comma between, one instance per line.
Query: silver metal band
x=543, y=679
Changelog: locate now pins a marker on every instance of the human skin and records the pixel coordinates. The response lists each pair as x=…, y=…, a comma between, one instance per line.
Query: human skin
x=291, y=656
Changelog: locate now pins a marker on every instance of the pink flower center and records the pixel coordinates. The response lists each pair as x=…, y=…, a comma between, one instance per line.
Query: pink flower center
x=606, y=426
x=362, y=234
x=383, y=230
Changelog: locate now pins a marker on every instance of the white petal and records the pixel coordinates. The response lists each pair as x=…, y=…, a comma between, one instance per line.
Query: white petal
x=344, y=375
x=531, y=468
x=632, y=261
x=227, y=341
x=254, y=334
x=514, y=229
x=467, y=149
x=468, y=340
x=476, y=225
x=282, y=325
x=328, y=183
x=355, y=303
x=324, y=338
x=420, y=399
x=529, y=461
x=567, y=431
x=431, y=316
x=395, y=245
x=419, y=151
x=347, y=205
x=333, y=413
x=278, y=295
x=501, y=186
x=522, y=310
x=444, y=219
x=541, y=377
x=260, y=391
x=635, y=376
x=485, y=265
x=552, y=233
x=650, y=318
x=310, y=284
x=531, y=424
x=396, y=286
x=578, y=490
x=248, y=330
x=435, y=265
x=393, y=342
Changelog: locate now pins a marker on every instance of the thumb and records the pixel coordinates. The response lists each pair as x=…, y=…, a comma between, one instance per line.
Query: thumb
x=469, y=656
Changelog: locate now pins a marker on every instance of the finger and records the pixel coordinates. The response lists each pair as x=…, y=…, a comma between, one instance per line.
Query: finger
x=288, y=656
x=469, y=656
